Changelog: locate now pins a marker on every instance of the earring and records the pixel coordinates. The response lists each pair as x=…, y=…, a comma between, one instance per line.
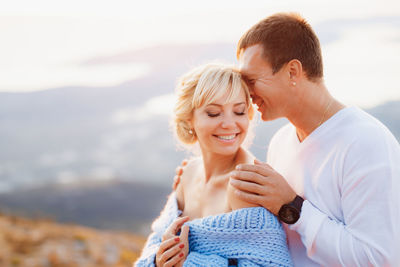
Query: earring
x=190, y=131
x=294, y=83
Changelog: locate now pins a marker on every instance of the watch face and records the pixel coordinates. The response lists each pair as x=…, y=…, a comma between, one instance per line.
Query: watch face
x=288, y=214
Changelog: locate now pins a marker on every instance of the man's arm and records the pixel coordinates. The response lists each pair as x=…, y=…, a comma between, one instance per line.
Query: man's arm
x=370, y=205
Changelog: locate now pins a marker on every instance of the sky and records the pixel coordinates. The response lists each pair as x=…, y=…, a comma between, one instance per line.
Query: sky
x=44, y=43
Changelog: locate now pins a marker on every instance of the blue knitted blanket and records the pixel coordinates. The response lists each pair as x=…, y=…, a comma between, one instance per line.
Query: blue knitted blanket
x=250, y=236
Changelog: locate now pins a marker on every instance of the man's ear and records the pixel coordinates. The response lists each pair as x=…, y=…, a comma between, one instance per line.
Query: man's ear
x=295, y=70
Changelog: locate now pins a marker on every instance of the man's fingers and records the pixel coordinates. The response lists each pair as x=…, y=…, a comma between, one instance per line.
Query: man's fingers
x=259, y=162
x=249, y=177
x=262, y=168
x=248, y=197
x=247, y=186
x=179, y=170
x=176, y=182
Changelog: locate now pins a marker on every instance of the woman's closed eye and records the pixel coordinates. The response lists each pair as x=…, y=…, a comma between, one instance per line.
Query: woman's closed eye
x=212, y=114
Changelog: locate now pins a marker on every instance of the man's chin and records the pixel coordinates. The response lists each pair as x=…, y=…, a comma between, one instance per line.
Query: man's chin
x=266, y=116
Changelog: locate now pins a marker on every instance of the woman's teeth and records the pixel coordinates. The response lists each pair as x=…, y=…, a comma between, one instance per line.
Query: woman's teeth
x=227, y=137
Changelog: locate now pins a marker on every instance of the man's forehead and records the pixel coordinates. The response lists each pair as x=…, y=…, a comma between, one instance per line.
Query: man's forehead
x=248, y=57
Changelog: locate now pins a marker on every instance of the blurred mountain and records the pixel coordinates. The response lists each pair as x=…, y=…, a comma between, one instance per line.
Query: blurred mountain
x=106, y=205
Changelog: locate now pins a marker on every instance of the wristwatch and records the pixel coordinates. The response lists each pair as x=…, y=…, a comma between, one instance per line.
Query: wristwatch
x=290, y=213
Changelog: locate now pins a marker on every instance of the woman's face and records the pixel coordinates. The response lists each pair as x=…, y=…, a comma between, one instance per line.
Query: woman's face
x=221, y=128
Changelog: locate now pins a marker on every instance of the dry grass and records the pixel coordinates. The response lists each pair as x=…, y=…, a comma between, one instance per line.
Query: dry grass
x=42, y=243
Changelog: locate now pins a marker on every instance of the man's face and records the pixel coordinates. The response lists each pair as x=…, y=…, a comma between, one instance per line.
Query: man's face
x=267, y=90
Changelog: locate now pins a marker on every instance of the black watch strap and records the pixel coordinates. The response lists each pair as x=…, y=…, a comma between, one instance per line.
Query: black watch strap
x=298, y=202
x=290, y=213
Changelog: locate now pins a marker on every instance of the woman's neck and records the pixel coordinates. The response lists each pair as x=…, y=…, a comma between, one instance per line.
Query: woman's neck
x=217, y=164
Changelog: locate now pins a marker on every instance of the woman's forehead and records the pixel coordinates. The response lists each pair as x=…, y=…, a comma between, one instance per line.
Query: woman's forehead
x=228, y=98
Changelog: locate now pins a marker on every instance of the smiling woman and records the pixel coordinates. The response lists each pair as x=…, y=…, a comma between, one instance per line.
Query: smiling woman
x=213, y=109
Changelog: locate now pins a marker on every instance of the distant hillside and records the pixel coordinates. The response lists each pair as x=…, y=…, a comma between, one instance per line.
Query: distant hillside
x=41, y=243
x=112, y=205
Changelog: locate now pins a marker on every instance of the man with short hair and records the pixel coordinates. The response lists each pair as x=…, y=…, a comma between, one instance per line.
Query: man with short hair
x=333, y=173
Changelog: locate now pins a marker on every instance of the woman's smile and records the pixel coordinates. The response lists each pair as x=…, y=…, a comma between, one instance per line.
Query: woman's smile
x=227, y=138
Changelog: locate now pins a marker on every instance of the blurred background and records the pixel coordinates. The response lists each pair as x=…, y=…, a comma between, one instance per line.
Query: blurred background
x=87, y=157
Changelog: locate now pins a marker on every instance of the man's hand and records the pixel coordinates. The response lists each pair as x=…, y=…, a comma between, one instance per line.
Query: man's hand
x=178, y=172
x=262, y=185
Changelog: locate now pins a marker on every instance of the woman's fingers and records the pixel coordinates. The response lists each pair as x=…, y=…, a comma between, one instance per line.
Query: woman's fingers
x=168, y=256
x=174, y=227
x=175, y=259
x=164, y=246
x=184, y=233
x=167, y=244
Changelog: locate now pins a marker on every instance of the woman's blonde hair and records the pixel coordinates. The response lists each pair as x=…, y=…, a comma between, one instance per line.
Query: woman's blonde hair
x=202, y=86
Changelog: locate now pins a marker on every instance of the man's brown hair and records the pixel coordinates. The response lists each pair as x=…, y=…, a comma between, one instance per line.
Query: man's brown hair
x=286, y=36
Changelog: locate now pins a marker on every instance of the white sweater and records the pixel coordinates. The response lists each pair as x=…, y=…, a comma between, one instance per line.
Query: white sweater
x=348, y=170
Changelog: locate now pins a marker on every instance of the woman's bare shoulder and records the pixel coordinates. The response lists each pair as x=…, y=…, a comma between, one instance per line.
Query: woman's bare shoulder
x=189, y=171
x=234, y=202
x=191, y=168
x=245, y=157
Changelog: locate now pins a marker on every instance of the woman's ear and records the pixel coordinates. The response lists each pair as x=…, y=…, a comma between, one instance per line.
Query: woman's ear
x=190, y=124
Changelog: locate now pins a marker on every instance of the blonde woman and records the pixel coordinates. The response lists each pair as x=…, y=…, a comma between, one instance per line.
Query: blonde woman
x=203, y=223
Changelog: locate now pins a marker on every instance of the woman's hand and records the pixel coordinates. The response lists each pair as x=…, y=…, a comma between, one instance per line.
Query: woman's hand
x=185, y=241
x=174, y=249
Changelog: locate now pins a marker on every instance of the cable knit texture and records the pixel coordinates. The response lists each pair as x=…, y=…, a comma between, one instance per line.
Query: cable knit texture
x=253, y=236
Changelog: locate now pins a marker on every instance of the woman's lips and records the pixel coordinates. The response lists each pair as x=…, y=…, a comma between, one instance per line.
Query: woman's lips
x=227, y=137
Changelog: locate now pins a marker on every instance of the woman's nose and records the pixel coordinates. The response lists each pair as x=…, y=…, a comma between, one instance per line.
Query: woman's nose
x=228, y=122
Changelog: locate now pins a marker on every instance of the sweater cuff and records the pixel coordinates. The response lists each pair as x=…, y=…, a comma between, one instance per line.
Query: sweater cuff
x=309, y=223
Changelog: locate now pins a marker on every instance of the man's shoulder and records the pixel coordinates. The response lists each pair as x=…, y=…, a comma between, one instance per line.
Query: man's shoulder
x=362, y=127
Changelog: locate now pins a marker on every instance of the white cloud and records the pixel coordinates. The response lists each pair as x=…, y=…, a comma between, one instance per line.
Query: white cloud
x=157, y=106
